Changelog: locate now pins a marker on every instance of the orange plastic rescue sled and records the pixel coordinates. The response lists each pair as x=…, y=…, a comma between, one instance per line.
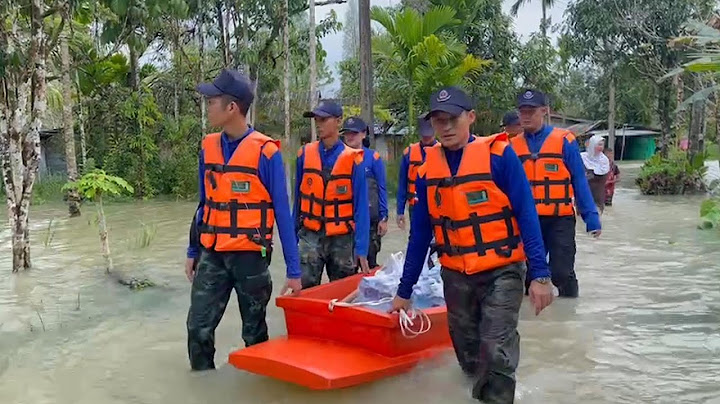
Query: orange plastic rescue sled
x=340, y=348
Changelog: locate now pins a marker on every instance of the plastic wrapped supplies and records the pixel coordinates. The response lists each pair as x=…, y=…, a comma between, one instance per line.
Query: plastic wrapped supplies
x=382, y=287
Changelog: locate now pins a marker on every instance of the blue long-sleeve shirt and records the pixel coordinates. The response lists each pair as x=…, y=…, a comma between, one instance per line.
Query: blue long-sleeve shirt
x=375, y=168
x=574, y=163
x=361, y=212
x=508, y=174
x=272, y=175
x=403, y=177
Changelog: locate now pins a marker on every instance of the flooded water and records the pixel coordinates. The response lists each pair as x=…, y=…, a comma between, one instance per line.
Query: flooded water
x=646, y=328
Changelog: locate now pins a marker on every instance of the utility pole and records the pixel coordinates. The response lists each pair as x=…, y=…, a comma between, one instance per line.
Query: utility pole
x=366, y=68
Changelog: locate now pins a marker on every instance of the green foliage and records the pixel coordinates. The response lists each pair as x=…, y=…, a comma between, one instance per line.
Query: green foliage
x=674, y=175
x=710, y=214
x=146, y=235
x=97, y=183
x=48, y=189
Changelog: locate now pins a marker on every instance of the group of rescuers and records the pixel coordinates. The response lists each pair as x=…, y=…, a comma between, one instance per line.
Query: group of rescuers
x=494, y=206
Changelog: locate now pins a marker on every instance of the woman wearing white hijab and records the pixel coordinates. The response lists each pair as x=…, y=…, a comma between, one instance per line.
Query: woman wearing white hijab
x=597, y=168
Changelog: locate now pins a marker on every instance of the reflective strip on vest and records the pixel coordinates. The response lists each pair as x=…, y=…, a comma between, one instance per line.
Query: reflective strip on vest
x=326, y=197
x=474, y=226
x=238, y=212
x=549, y=178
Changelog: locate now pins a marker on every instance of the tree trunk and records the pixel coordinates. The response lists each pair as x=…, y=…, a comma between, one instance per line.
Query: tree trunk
x=679, y=121
x=104, y=236
x=253, y=110
x=221, y=27
x=178, y=72
x=664, y=113
x=81, y=122
x=313, y=68
x=697, y=113
x=134, y=69
x=203, y=104
x=20, y=143
x=611, y=112
x=286, y=82
x=366, y=73
x=73, y=198
x=227, y=33
x=543, y=22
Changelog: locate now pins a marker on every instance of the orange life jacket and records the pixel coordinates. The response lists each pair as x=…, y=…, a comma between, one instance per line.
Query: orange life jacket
x=326, y=196
x=416, y=160
x=474, y=226
x=238, y=214
x=549, y=178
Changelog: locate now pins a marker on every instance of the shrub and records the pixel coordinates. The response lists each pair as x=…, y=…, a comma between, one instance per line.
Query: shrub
x=673, y=175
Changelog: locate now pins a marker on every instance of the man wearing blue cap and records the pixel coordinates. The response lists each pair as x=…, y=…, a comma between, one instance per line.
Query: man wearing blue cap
x=331, y=202
x=413, y=157
x=474, y=198
x=552, y=163
x=511, y=124
x=354, y=130
x=242, y=194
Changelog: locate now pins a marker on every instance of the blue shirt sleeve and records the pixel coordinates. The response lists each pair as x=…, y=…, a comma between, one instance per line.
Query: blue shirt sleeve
x=509, y=176
x=420, y=238
x=193, y=250
x=296, y=205
x=402, y=184
x=361, y=212
x=272, y=175
x=379, y=174
x=583, y=196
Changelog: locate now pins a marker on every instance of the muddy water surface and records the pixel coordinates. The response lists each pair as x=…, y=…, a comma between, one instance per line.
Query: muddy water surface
x=646, y=328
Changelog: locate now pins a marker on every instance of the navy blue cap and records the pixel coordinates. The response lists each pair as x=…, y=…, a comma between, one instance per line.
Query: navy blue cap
x=511, y=118
x=452, y=100
x=531, y=98
x=325, y=109
x=354, y=124
x=229, y=82
x=424, y=128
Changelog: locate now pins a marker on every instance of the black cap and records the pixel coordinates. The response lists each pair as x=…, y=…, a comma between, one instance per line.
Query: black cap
x=531, y=98
x=229, y=82
x=510, y=118
x=452, y=100
x=325, y=109
x=354, y=124
x=424, y=128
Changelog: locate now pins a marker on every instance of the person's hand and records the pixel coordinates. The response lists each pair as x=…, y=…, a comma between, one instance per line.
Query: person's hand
x=364, y=266
x=190, y=269
x=292, y=285
x=401, y=222
x=541, y=295
x=596, y=233
x=398, y=304
x=382, y=228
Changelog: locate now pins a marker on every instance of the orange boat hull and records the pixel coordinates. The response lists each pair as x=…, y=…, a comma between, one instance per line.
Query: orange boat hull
x=348, y=346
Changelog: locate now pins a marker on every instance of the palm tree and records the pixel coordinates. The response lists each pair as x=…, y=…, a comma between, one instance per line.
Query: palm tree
x=546, y=4
x=420, y=51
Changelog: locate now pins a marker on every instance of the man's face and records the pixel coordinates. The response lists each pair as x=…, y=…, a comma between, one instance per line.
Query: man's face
x=327, y=127
x=220, y=111
x=531, y=118
x=354, y=139
x=514, y=129
x=453, y=132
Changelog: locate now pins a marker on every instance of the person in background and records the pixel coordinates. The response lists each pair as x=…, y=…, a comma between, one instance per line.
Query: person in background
x=331, y=202
x=413, y=157
x=473, y=196
x=242, y=192
x=511, y=124
x=552, y=162
x=597, y=168
x=354, y=130
x=613, y=177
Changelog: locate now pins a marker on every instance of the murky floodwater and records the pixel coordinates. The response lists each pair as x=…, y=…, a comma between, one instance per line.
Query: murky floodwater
x=646, y=329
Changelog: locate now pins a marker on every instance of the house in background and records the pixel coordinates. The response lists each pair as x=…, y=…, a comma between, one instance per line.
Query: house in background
x=52, y=154
x=632, y=142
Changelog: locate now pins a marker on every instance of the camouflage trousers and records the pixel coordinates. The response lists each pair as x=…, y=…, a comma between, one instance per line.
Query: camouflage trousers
x=318, y=251
x=375, y=245
x=482, y=317
x=217, y=274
